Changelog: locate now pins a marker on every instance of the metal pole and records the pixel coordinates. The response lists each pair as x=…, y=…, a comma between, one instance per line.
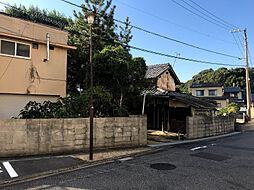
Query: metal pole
x=144, y=102
x=248, y=92
x=91, y=100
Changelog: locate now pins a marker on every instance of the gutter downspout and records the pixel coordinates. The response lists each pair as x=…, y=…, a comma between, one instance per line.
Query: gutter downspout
x=47, y=53
x=144, y=102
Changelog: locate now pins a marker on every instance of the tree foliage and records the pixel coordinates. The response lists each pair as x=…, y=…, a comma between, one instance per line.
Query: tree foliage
x=34, y=14
x=123, y=75
x=228, y=77
x=125, y=34
x=231, y=110
x=75, y=106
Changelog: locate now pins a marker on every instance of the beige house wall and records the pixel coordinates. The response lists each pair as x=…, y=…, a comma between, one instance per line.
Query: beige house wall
x=11, y=104
x=224, y=103
x=220, y=91
x=166, y=81
x=49, y=77
x=20, y=27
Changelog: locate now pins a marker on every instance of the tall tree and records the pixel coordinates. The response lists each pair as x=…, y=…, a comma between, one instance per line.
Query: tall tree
x=103, y=34
x=123, y=75
x=111, y=71
x=125, y=34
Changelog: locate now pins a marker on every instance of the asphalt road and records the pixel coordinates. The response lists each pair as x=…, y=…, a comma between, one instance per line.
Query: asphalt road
x=219, y=164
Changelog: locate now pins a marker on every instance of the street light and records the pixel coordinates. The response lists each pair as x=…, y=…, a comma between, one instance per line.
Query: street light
x=90, y=18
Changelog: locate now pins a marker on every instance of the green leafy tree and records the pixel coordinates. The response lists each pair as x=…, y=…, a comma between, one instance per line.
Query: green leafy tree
x=231, y=110
x=123, y=75
x=103, y=34
x=111, y=71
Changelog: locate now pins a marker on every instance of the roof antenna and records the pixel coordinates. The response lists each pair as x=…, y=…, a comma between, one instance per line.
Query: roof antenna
x=177, y=55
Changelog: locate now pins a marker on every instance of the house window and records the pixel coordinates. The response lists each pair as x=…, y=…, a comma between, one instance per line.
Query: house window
x=15, y=49
x=7, y=47
x=23, y=50
x=200, y=92
x=232, y=95
x=212, y=92
x=35, y=46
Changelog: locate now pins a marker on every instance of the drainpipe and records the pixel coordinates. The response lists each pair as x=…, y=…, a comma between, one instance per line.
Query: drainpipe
x=48, y=37
x=47, y=53
x=144, y=102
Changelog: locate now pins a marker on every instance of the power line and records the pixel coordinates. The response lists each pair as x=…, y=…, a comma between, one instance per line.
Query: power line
x=8, y=65
x=165, y=37
x=233, y=26
x=163, y=54
x=206, y=15
x=155, y=52
x=248, y=48
x=178, y=41
x=170, y=56
x=173, y=23
x=199, y=15
x=238, y=44
x=183, y=58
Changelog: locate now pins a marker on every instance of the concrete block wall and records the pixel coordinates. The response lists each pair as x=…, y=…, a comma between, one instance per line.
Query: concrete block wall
x=205, y=126
x=19, y=137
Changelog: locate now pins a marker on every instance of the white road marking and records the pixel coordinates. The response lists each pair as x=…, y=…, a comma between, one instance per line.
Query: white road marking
x=197, y=148
x=12, y=173
x=1, y=171
x=125, y=159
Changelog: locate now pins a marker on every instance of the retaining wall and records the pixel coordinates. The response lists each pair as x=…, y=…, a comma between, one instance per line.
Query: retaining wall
x=19, y=137
x=204, y=126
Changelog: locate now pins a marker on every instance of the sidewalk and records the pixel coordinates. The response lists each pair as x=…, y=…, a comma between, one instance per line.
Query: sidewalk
x=248, y=126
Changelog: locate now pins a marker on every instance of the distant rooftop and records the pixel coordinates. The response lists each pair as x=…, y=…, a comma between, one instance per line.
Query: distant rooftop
x=206, y=85
x=188, y=99
x=154, y=71
x=232, y=89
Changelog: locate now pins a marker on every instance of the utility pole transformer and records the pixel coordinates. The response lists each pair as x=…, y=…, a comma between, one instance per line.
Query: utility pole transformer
x=248, y=91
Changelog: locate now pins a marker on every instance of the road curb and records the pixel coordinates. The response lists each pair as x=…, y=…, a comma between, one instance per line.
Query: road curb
x=194, y=140
x=75, y=168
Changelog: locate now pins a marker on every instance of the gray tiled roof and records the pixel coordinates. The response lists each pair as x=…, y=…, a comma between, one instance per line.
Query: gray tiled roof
x=188, y=99
x=232, y=89
x=154, y=71
x=206, y=85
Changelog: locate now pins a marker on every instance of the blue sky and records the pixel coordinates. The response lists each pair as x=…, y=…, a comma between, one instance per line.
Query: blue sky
x=158, y=16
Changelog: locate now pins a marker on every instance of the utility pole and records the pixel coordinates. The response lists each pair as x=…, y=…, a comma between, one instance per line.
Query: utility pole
x=248, y=90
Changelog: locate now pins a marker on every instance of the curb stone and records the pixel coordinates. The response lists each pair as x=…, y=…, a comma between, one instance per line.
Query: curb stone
x=195, y=140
